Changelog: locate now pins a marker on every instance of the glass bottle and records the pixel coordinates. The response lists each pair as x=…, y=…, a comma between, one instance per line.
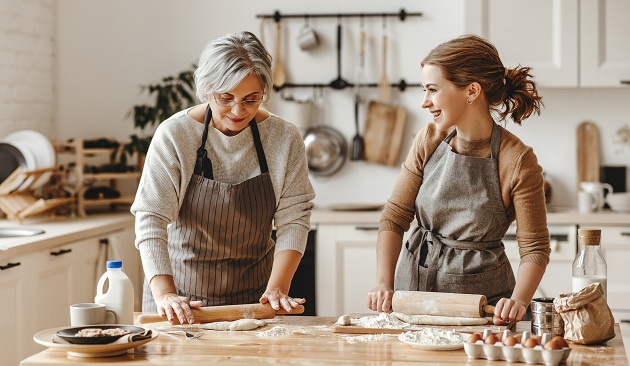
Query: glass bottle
x=589, y=265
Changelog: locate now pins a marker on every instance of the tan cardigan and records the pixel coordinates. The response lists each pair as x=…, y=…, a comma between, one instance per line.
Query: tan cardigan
x=520, y=179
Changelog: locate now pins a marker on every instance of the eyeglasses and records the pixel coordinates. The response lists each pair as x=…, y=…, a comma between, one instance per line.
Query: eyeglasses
x=230, y=102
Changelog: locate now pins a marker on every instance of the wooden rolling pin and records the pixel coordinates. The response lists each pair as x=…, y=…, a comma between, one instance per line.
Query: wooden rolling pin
x=441, y=303
x=211, y=314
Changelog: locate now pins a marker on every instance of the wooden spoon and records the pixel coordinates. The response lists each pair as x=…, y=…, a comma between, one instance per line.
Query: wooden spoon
x=279, y=76
x=384, y=87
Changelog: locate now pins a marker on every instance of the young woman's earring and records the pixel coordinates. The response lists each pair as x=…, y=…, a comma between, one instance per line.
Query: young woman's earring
x=469, y=100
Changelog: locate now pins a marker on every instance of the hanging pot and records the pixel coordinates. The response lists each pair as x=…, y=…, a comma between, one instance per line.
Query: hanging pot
x=326, y=150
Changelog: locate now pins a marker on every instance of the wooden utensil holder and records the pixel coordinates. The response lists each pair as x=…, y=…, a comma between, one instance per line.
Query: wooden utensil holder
x=18, y=205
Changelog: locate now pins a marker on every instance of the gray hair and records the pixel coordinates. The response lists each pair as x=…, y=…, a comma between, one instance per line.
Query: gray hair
x=227, y=60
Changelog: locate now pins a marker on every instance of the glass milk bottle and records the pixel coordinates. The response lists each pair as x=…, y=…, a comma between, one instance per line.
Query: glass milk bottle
x=119, y=296
x=589, y=265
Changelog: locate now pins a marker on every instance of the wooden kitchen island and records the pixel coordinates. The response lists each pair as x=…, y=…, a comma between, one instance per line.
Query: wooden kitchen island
x=312, y=342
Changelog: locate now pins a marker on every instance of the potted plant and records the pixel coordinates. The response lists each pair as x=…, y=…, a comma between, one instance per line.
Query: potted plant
x=168, y=96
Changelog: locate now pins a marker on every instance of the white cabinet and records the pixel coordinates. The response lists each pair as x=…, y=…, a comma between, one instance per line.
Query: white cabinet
x=346, y=268
x=568, y=43
x=615, y=246
x=16, y=307
x=37, y=289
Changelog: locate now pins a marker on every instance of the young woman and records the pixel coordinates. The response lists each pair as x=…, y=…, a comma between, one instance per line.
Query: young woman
x=216, y=179
x=466, y=179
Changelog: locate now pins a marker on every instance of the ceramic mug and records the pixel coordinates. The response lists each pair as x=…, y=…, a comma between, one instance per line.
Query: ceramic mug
x=91, y=314
x=307, y=38
x=598, y=190
x=587, y=202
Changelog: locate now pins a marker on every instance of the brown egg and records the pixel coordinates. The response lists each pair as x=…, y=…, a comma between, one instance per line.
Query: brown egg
x=474, y=338
x=531, y=343
x=491, y=339
x=551, y=345
x=500, y=336
x=560, y=342
x=537, y=338
x=518, y=338
x=510, y=341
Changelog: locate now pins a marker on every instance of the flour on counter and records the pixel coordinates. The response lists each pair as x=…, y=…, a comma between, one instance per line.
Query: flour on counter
x=276, y=331
x=432, y=337
x=367, y=338
x=383, y=320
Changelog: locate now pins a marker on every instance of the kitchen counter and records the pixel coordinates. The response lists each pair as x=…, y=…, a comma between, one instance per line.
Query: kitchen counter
x=312, y=342
x=61, y=231
x=555, y=217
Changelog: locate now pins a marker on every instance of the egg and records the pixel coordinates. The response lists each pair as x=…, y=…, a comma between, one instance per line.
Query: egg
x=518, y=338
x=500, y=336
x=474, y=338
x=552, y=345
x=531, y=343
x=560, y=342
x=491, y=339
x=510, y=341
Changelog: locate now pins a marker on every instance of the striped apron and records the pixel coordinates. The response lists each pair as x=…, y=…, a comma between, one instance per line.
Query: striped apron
x=220, y=246
x=457, y=246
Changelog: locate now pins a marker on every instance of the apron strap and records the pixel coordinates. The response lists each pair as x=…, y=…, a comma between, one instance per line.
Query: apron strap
x=495, y=141
x=203, y=165
x=262, y=160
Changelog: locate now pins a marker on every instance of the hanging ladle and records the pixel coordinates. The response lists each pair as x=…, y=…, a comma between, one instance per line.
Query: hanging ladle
x=339, y=82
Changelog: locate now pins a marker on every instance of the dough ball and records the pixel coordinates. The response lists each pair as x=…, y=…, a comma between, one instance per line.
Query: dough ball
x=344, y=320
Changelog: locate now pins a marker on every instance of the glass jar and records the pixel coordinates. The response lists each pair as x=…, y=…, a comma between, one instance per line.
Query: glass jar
x=589, y=265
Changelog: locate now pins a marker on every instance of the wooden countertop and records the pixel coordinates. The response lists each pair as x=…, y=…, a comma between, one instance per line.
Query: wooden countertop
x=312, y=342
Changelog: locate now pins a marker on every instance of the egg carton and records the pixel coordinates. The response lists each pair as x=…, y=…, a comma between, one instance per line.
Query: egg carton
x=518, y=352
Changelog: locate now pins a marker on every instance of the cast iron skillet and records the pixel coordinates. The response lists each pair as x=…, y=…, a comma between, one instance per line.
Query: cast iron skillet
x=326, y=150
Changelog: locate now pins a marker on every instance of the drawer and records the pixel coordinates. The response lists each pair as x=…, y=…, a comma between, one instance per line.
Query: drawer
x=615, y=235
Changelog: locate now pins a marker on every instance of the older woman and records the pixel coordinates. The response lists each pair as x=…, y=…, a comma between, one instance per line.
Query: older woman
x=216, y=179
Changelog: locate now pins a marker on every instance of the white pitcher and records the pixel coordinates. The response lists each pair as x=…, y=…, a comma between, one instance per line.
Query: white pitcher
x=598, y=190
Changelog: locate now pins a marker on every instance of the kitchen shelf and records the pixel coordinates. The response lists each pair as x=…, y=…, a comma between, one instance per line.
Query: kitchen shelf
x=86, y=180
x=277, y=16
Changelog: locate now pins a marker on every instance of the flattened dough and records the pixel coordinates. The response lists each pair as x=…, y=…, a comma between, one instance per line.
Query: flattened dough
x=439, y=320
x=241, y=324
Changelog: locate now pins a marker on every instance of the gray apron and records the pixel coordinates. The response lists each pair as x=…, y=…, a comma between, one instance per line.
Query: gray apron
x=220, y=246
x=457, y=246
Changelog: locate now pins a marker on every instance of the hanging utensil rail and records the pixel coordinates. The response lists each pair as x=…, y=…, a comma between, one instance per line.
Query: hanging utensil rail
x=276, y=16
x=402, y=15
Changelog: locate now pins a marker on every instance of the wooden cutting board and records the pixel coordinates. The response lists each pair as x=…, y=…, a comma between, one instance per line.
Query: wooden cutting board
x=587, y=152
x=383, y=134
x=356, y=329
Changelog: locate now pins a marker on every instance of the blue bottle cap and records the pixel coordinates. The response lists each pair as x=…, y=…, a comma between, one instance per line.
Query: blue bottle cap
x=114, y=264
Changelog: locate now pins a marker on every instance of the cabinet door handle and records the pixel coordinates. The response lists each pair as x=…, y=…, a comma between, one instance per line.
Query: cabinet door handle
x=60, y=252
x=625, y=233
x=9, y=265
x=367, y=228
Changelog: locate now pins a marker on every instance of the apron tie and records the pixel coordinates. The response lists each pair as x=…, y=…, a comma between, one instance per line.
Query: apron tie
x=437, y=243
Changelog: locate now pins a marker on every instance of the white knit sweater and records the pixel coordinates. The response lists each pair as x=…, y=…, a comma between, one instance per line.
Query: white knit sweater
x=170, y=163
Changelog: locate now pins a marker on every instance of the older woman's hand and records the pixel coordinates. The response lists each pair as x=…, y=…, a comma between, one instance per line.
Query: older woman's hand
x=278, y=298
x=171, y=305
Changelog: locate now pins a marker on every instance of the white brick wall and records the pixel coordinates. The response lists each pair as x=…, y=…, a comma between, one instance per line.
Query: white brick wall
x=27, y=59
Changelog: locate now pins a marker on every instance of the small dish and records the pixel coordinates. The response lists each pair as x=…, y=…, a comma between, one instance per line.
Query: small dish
x=47, y=338
x=69, y=334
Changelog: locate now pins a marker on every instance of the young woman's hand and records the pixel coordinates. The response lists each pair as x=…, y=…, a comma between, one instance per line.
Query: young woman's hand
x=508, y=310
x=380, y=299
x=278, y=298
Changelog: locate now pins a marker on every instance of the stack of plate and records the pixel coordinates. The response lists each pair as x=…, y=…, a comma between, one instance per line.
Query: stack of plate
x=619, y=201
x=29, y=150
